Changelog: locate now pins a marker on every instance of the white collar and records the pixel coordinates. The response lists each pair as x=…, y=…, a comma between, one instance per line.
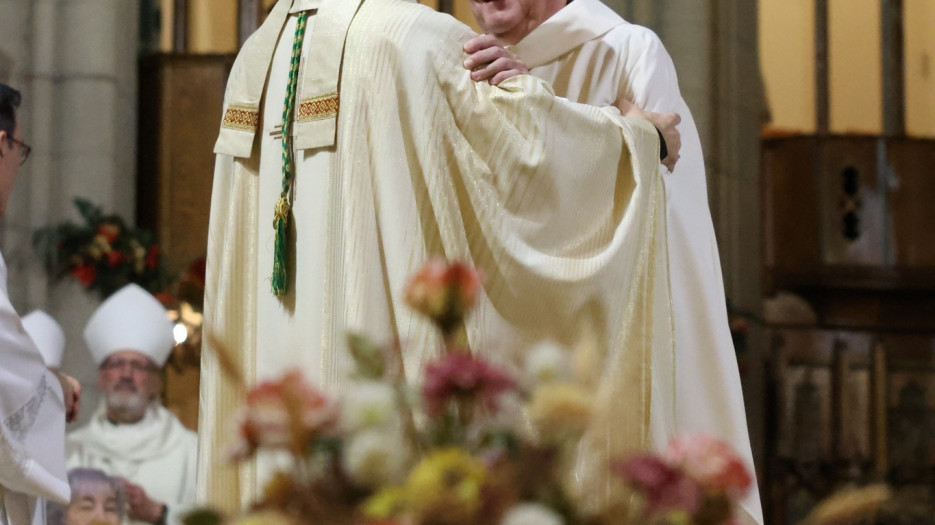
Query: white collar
x=304, y=5
x=158, y=434
x=575, y=24
x=317, y=98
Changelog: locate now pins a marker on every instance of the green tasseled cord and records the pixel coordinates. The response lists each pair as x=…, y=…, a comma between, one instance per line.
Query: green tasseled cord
x=283, y=208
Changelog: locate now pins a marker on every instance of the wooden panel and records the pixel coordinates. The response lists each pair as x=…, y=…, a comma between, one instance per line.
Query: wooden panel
x=910, y=409
x=180, y=111
x=911, y=197
x=790, y=207
x=181, y=101
x=850, y=191
x=849, y=213
x=822, y=416
x=849, y=407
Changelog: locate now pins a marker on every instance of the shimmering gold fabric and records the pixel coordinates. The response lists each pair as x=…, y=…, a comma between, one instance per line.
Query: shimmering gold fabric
x=560, y=204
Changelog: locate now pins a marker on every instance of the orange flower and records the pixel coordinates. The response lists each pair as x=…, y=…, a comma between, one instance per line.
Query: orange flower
x=444, y=291
x=108, y=231
x=284, y=414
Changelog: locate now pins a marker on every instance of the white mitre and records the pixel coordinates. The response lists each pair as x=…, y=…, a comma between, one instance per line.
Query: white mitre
x=130, y=319
x=48, y=336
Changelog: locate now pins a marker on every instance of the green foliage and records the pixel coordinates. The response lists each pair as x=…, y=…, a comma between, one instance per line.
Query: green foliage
x=202, y=517
x=371, y=364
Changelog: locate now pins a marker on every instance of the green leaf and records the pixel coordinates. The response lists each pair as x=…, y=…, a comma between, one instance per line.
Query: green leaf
x=202, y=517
x=370, y=361
x=88, y=210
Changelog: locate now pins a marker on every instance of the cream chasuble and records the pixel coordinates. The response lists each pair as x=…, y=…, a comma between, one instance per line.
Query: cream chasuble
x=413, y=161
x=32, y=424
x=591, y=55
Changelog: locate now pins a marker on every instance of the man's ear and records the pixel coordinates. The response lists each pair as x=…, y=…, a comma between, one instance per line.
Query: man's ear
x=3, y=137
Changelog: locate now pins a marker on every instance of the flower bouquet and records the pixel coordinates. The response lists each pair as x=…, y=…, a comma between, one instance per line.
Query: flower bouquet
x=103, y=253
x=694, y=481
x=473, y=445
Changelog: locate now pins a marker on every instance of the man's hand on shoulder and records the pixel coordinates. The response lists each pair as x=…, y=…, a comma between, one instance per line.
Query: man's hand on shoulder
x=140, y=506
x=488, y=60
x=664, y=122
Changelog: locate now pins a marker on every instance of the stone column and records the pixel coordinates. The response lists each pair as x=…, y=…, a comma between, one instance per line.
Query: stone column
x=75, y=62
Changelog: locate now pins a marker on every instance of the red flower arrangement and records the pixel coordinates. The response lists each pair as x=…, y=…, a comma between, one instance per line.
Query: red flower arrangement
x=103, y=254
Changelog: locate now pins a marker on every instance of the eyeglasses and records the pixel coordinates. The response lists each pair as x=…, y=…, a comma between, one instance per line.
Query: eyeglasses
x=135, y=366
x=24, y=150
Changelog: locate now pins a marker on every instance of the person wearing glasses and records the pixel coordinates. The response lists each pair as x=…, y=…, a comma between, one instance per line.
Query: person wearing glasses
x=13, y=151
x=35, y=402
x=131, y=435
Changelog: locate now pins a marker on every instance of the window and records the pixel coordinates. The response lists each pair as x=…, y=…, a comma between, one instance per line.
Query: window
x=792, y=60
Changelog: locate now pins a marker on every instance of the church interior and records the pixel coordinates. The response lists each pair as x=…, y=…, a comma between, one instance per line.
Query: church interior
x=817, y=119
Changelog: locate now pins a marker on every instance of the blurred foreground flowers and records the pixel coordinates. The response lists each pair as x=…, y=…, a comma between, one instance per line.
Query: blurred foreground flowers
x=476, y=444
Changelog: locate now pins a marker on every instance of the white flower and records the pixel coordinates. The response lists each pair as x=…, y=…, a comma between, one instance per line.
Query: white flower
x=546, y=362
x=375, y=458
x=531, y=514
x=369, y=404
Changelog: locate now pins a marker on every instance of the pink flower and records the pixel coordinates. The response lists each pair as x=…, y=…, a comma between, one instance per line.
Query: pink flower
x=284, y=414
x=710, y=461
x=443, y=291
x=665, y=487
x=461, y=375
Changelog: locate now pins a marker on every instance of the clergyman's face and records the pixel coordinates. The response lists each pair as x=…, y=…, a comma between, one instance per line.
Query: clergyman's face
x=9, y=166
x=130, y=382
x=93, y=503
x=509, y=20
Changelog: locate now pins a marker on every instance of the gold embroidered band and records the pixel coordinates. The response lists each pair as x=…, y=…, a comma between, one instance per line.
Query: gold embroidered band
x=244, y=118
x=318, y=108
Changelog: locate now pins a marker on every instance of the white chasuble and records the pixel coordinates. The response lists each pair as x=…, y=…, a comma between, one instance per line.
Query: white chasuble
x=409, y=159
x=32, y=424
x=591, y=55
x=157, y=453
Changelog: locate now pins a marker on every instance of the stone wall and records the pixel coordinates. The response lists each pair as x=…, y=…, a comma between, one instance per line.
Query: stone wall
x=75, y=63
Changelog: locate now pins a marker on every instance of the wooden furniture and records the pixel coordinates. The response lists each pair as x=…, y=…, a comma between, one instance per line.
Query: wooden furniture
x=850, y=227
x=181, y=99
